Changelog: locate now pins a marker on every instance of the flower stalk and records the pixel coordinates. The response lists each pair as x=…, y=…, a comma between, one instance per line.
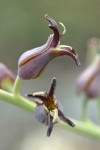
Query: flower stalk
x=86, y=129
x=15, y=98
x=84, y=116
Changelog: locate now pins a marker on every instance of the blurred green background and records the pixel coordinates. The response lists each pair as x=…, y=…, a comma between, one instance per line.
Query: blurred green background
x=22, y=27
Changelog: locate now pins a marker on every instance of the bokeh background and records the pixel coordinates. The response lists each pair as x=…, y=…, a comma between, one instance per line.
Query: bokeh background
x=22, y=27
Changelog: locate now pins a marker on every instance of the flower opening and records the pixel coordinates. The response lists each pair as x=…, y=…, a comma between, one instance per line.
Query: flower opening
x=48, y=110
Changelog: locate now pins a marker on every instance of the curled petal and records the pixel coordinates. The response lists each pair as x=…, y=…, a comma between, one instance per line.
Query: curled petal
x=40, y=95
x=54, y=27
x=67, y=50
x=37, y=101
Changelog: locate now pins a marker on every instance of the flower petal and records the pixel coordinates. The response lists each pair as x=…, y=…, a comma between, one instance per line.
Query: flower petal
x=54, y=27
x=66, y=120
x=31, y=54
x=41, y=115
x=50, y=125
x=52, y=88
x=34, y=67
x=40, y=95
x=67, y=50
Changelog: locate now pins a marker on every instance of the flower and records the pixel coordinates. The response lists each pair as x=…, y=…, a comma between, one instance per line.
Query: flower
x=89, y=80
x=48, y=110
x=32, y=62
x=7, y=78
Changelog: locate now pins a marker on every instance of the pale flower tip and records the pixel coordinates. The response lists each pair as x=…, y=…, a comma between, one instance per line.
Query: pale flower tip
x=75, y=57
x=46, y=15
x=64, y=28
x=54, y=80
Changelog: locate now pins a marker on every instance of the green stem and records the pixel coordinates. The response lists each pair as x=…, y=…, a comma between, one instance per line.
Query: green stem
x=84, y=109
x=87, y=129
x=16, y=85
x=17, y=100
x=98, y=108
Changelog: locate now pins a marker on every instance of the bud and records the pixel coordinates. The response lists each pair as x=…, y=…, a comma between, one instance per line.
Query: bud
x=89, y=80
x=7, y=78
x=33, y=62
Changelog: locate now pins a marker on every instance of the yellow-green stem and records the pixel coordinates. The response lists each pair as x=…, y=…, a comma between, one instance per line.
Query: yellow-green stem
x=84, y=109
x=16, y=85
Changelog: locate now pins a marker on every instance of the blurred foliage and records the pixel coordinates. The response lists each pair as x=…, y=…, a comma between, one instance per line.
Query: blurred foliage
x=22, y=24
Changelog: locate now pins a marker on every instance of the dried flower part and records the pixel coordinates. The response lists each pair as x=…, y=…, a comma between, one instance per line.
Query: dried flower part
x=6, y=76
x=89, y=80
x=32, y=63
x=48, y=110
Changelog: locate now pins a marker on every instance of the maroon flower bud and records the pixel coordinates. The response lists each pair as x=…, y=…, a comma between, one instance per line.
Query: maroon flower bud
x=32, y=62
x=89, y=80
x=6, y=77
x=48, y=110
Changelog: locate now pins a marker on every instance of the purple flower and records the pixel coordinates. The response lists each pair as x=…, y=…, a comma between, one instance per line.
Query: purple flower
x=33, y=62
x=48, y=110
x=6, y=77
x=89, y=80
